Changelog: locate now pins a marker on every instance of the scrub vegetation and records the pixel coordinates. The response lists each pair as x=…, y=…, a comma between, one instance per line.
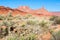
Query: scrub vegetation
x=28, y=27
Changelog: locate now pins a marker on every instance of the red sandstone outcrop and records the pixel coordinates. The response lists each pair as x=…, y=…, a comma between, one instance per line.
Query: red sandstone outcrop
x=23, y=10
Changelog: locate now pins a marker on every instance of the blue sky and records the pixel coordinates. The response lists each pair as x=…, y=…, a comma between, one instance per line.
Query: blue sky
x=50, y=5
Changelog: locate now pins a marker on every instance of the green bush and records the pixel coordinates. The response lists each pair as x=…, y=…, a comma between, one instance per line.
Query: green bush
x=32, y=37
x=28, y=37
x=2, y=17
x=25, y=27
x=52, y=18
x=3, y=32
x=57, y=20
x=12, y=38
x=57, y=36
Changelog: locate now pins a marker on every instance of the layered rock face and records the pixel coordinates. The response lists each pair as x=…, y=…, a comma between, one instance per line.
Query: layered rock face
x=23, y=10
x=5, y=10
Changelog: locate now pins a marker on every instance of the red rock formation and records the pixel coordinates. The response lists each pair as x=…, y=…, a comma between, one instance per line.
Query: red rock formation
x=23, y=10
x=39, y=12
x=5, y=10
x=56, y=13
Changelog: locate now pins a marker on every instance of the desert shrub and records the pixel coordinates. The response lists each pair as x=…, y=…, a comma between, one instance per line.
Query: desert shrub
x=30, y=36
x=31, y=22
x=17, y=17
x=1, y=23
x=57, y=35
x=3, y=32
x=12, y=37
x=27, y=16
x=9, y=16
x=2, y=17
x=7, y=23
x=25, y=27
x=52, y=18
x=45, y=23
x=57, y=20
